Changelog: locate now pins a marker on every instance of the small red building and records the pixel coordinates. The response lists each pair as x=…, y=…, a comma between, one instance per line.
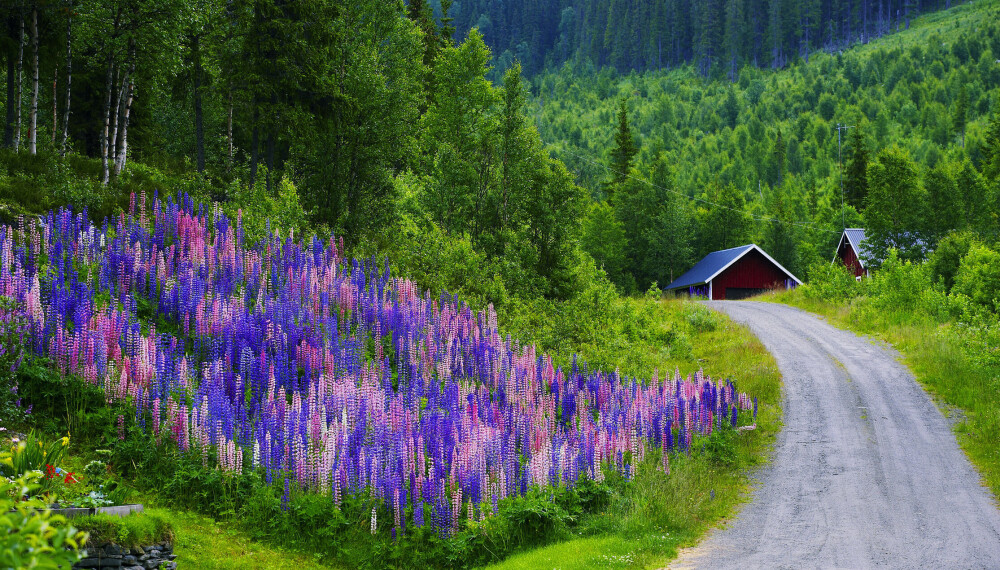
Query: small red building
x=734, y=273
x=850, y=251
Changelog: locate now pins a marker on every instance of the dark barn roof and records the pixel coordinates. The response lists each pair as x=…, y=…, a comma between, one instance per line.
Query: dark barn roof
x=718, y=261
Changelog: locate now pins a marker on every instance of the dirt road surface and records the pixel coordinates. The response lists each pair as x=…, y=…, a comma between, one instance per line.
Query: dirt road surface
x=866, y=472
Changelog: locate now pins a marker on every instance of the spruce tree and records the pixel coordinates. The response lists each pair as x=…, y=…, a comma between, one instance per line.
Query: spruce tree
x=779, y=159
x=856, y=169
x=624, y=151
x=991, y=147
x=958, y=117
x=447, y=27
x=420, y=12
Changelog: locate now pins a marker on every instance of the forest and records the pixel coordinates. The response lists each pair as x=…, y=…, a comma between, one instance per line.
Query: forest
x=909, y=128
x=718, y=37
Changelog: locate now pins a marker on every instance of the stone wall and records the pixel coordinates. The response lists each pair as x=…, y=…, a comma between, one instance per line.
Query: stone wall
x=113, y=556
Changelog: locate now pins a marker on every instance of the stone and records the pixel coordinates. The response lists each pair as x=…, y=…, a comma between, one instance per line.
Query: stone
x=137, y=551
x=92, y=562
x=153, y=563
x=113, y=550
x=133, y=568
x=110, y=562
x=130, y=560
x=171, y=557
x=170, y=566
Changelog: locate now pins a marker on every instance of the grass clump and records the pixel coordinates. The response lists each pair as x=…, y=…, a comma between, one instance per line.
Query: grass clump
x=136, y=530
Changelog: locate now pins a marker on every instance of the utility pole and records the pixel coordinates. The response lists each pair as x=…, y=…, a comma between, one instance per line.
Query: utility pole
x=840, y=161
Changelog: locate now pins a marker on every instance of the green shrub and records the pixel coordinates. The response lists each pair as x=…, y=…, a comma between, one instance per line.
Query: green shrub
x=831, y=282
x=901, y=286
x=947, y=257
x=30, y=535
x=281, y=212
x=978, y=277
x=702, y=319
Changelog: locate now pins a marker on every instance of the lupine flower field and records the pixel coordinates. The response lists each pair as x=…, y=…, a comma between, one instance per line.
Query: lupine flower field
x=329, y=373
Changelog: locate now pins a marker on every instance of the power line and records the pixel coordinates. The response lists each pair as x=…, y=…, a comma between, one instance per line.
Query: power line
x=769, y=219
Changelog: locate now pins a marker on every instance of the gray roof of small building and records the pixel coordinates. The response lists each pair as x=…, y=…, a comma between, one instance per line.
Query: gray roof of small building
x=716, y=262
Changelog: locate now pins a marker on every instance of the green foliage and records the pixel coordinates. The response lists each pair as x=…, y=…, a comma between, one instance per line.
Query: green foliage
x=261, y=212
x=856, y=167
x=31, y=457
x=604, y=239
x=901, y=285
x=702, y=319
x=30, y=535
x=657, y=225
x=978, y=277
x=946, y=258
x=63, y=402
x=894, y=207
x=725, y=224
x=831, y=282
x=623, y=152
x=135, y=530
x=899, y=92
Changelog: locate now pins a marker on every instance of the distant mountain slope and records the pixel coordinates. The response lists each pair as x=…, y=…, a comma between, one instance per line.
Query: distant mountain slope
x=719, y=35
x=773, y=134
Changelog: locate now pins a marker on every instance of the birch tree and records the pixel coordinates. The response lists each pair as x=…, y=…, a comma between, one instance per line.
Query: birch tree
x=69, y=77
x=33, y=119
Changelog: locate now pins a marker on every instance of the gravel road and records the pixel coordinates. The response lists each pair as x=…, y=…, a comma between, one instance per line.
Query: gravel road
x=866, y=472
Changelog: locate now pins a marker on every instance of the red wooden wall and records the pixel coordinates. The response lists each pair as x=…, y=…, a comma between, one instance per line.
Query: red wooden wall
x=752, y=271
x=850, y=259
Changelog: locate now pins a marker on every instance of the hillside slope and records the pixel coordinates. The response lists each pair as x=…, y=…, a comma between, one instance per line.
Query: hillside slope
x=772, y=135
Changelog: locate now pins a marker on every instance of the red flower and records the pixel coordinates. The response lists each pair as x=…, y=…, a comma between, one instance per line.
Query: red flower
x=70, y=479
x=50, y=471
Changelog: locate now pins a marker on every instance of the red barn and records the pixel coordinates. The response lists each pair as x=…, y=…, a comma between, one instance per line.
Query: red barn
x=734, y=273
x=850, y=251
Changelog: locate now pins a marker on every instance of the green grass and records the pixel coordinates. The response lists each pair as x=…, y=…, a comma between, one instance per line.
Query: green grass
x=202, y=543
x=658, y=514
x=966, y=389
x=141, y=529
x=596, y=552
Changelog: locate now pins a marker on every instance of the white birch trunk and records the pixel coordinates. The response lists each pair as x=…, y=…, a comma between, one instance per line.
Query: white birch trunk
x=107, y=122
x=123, y=151
x=33, y=121
x=113, y=145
